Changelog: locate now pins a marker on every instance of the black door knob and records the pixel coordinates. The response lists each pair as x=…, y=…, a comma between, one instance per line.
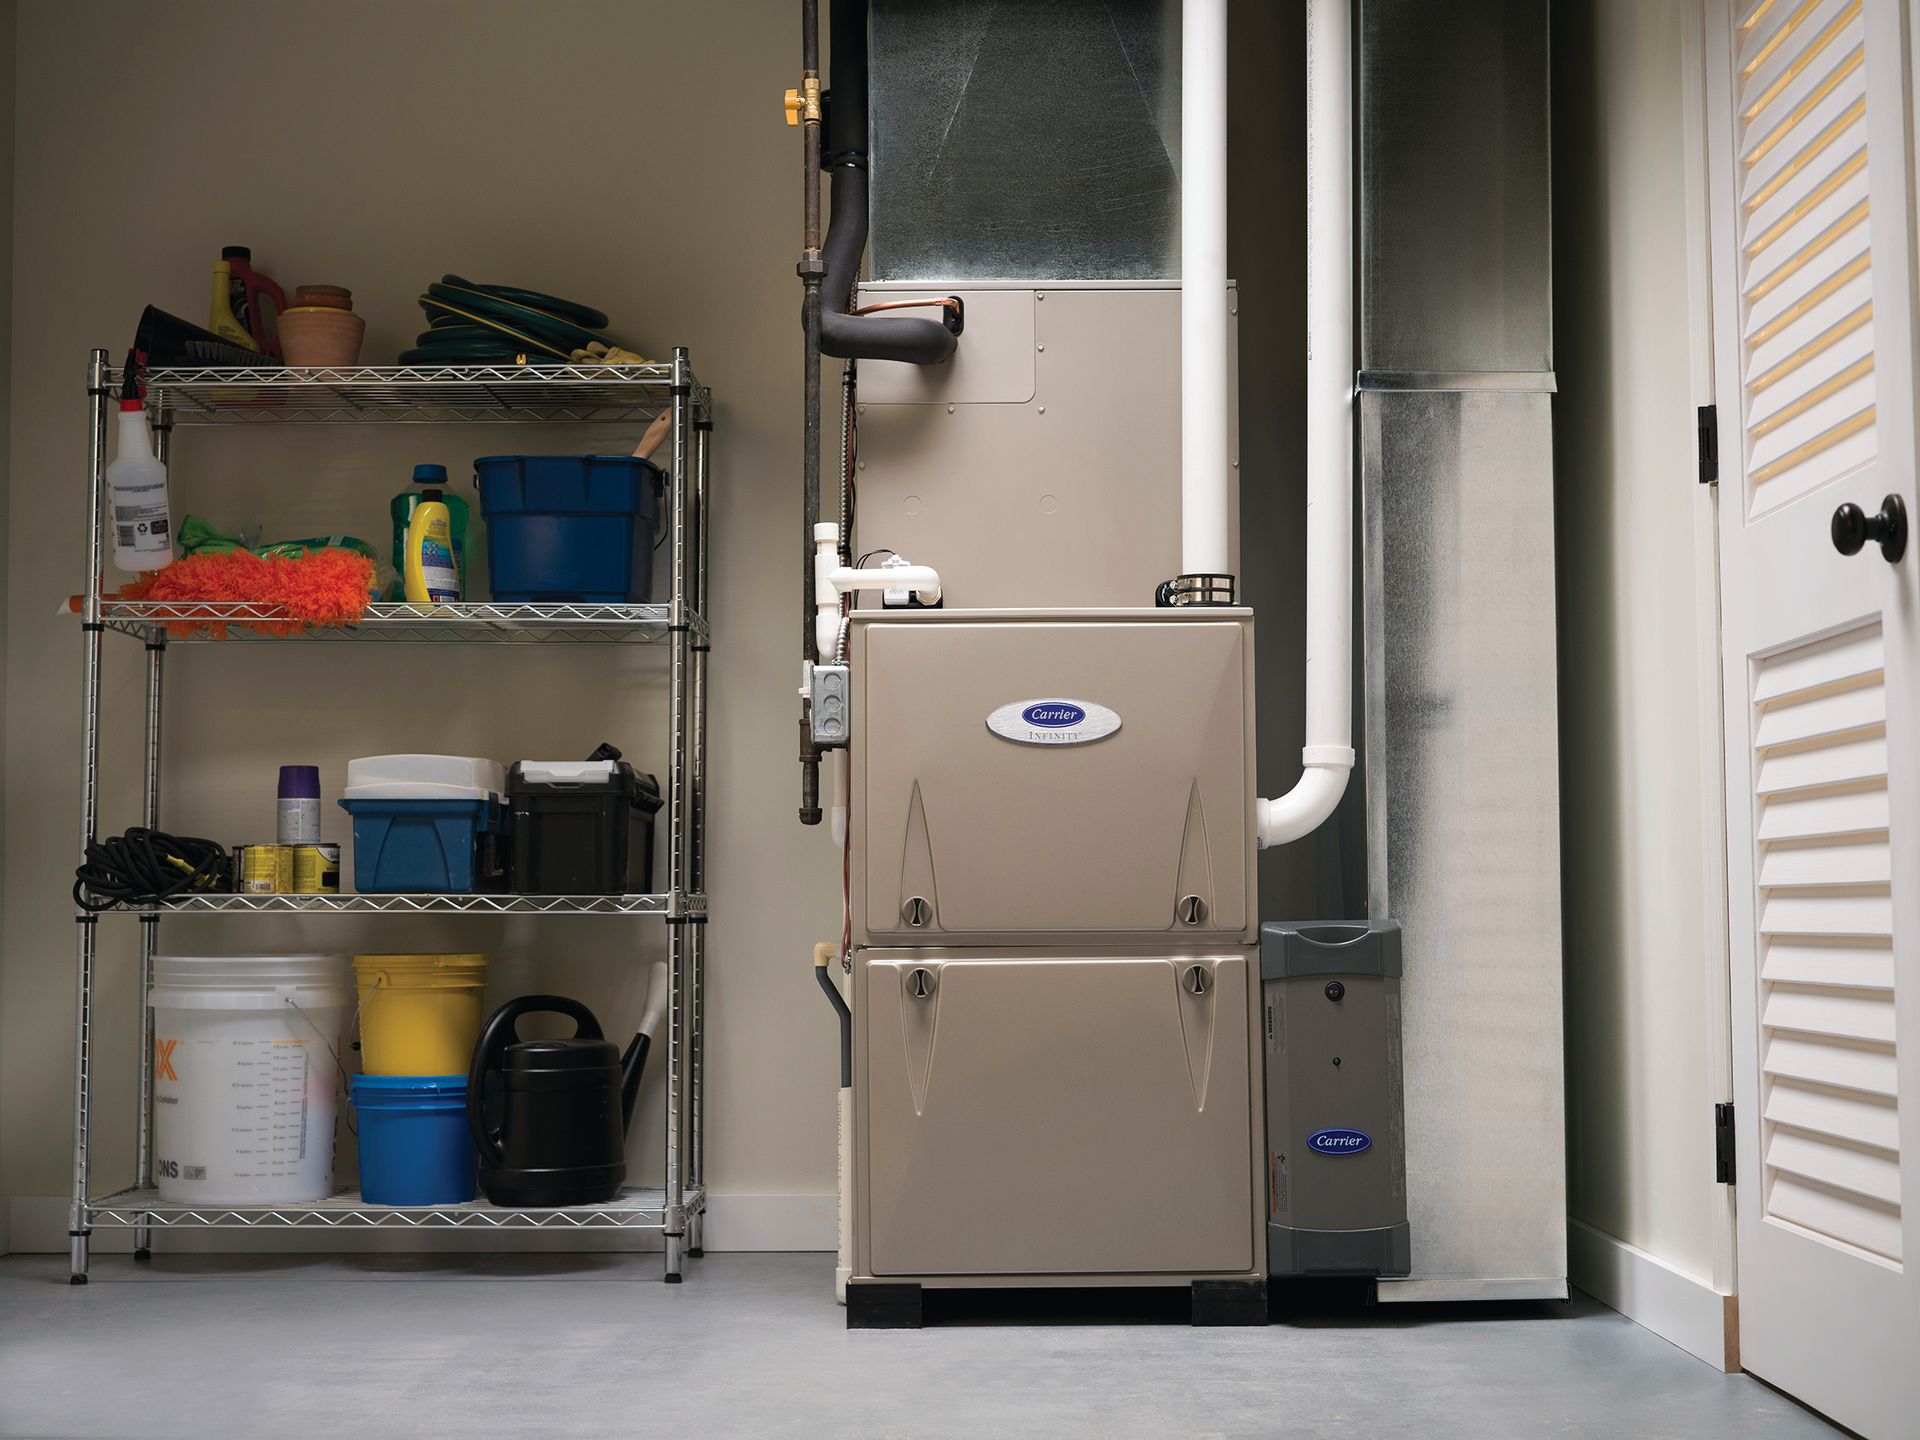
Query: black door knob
x=1853, y=528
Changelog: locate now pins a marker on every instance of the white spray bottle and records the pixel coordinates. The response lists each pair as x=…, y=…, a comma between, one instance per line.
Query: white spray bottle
x=141, y=521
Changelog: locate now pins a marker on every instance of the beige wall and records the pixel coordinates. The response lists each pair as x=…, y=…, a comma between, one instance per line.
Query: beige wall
x=632, y=155
x=1637, y=916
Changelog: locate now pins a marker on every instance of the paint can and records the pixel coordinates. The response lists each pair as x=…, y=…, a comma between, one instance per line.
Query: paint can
x=316, y=869
x=264, y=870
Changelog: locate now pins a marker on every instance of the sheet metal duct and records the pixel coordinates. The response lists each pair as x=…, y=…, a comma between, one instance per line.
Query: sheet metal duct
x=1456, y=465
x=1026, y=140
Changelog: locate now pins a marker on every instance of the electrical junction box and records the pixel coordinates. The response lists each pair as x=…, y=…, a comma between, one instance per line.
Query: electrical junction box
x=1336, y=1126
x=829, y=688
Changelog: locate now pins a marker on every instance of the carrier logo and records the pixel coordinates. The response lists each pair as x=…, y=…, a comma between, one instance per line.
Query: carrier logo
x=1339, y=1141
x=1053, y=714
x=1053, y=722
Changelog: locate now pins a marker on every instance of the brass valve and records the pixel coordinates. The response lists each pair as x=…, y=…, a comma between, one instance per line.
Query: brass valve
x=805, y=101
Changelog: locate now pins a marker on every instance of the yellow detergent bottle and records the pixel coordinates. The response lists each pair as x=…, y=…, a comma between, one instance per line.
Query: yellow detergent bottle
x=221, y=319
x=432, y=576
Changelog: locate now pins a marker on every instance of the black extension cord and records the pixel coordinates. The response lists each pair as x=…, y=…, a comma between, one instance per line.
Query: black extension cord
x=144, y=866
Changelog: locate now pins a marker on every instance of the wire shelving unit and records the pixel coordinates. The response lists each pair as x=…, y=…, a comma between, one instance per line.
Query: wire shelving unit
x=448, y=394
x=500, y=623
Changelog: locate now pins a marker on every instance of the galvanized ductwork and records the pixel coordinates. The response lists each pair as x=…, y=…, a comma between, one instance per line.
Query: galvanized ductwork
x=1456, y=472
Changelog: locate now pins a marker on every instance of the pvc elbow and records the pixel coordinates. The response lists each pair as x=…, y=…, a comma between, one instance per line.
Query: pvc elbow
x=1303, y=809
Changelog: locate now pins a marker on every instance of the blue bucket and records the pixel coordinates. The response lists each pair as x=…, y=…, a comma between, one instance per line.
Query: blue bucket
x=569, y=527
x=415, y=1148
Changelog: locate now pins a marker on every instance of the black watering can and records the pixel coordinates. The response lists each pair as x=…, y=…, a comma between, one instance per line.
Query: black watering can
x=563, y=1106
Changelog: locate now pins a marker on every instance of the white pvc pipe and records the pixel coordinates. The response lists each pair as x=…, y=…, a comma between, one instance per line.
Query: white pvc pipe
x=1328, y=755
x=831, y=580
x=1205, y=475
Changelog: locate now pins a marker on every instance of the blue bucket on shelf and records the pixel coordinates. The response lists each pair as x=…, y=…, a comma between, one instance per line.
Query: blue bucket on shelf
x=415, y=1147
x=575, y=528
x=432, y=847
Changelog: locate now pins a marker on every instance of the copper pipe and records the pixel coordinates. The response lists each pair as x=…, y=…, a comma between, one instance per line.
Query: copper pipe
x=947, y=302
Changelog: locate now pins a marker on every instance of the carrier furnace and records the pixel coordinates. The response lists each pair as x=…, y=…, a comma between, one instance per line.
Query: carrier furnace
x=1028, y=692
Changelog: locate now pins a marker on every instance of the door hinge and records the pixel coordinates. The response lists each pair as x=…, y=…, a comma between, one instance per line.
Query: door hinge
x=1723, y=1145
x=1707, y=419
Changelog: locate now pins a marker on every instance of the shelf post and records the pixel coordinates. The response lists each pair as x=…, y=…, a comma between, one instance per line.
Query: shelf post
x=149, y=930
x=78, y=1232
x=697, y=827
x=678, y=850
x=156, y=639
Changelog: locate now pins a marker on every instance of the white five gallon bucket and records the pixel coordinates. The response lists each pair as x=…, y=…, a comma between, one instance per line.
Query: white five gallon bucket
x=245, y=1076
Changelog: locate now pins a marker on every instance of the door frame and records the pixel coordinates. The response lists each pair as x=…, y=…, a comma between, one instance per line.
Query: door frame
x=1716, y=947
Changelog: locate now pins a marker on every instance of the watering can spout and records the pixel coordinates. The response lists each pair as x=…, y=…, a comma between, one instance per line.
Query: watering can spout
x=632, y=1065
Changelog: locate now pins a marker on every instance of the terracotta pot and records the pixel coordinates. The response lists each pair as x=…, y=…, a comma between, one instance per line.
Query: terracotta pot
x=337, y=297
x=321, y=335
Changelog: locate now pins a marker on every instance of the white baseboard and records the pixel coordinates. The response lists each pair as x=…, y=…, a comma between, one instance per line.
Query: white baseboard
x=772, y=1222
x=1680, y=1308
x=37, y=1224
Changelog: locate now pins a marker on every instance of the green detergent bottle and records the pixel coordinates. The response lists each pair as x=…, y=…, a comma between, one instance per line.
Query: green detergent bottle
x=402, y=508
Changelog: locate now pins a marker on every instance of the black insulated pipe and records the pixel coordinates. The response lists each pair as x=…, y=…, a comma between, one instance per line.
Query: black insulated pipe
x=915, y=340
x=811, y=270
x=839, y=1003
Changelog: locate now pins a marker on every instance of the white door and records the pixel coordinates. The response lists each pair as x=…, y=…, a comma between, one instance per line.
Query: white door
x=1813, y=236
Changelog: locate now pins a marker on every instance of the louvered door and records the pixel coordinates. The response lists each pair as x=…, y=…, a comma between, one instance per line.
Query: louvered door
x=1813, y=236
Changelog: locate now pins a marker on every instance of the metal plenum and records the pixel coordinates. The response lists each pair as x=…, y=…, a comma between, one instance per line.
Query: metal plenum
x=1025, y=139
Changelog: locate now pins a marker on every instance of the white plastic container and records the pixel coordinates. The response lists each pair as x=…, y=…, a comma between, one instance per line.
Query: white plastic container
x=139, y=522
x=425, y=777
x=245, y=1077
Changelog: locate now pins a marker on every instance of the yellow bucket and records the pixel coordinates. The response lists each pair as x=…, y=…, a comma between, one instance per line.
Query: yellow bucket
x=419, y=1014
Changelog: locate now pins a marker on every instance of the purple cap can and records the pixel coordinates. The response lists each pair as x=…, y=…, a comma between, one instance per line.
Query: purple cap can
x=297, y=811
x=299, y=782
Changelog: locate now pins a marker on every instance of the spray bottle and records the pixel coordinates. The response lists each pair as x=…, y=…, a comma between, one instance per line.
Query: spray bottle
x=137, y=490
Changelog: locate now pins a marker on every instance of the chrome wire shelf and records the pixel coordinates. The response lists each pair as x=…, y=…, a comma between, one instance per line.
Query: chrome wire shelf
x=224, y=904
x=507, y=624
x=280, y=394
x=632, y=1209
x=217, y=396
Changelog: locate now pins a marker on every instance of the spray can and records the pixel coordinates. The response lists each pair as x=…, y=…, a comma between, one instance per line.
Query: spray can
x=297, y=810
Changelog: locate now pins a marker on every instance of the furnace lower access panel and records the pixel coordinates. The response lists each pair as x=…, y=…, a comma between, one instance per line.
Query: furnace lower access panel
x=1032, y=1115
x=1053, y=778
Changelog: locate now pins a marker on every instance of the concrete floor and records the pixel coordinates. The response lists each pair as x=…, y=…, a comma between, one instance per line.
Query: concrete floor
x=751, y=1345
